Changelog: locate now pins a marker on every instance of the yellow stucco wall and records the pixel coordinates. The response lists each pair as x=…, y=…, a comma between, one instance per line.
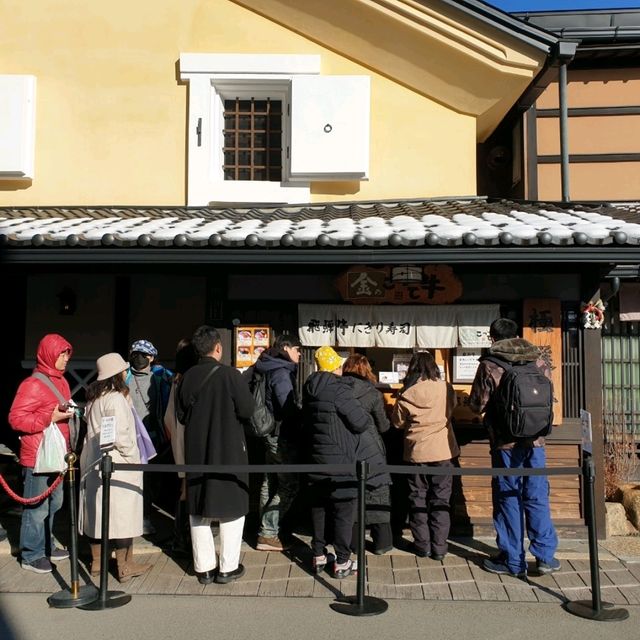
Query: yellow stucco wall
x=111, y=116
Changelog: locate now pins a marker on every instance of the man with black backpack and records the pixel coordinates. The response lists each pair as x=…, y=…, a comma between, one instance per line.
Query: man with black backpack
x=513, y=388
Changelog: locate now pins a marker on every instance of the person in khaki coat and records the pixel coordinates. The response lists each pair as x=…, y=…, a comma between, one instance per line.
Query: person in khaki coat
x=424, y=410
x=109, y=396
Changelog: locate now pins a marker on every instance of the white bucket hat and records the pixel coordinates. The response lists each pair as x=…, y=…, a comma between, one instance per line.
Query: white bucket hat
x=109, y=365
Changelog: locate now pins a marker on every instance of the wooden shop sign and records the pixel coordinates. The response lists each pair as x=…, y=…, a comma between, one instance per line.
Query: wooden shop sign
x=541, y=320
x=429, y=284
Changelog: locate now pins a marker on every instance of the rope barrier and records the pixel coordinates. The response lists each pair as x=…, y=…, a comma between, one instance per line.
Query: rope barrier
x=36, y=499
x=345, y=469
x=361, y=604
x=365, y=605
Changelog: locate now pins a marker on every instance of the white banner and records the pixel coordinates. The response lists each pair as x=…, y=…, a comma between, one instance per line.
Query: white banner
x=436, y=327
x=316, y=325
x=473, y=324
x=396, y=326
x=354, y=326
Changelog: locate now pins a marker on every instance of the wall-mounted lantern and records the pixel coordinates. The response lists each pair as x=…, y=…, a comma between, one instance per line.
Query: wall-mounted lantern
x=67, y=301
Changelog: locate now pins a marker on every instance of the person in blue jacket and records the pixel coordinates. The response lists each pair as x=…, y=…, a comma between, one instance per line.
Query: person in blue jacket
x=280, y=366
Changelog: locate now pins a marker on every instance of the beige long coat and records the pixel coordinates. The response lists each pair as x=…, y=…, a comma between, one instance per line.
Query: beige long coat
x=125, y=504
x=424, y=412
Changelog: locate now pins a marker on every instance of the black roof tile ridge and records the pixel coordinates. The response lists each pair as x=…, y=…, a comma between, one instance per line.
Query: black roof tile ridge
x=249, y=206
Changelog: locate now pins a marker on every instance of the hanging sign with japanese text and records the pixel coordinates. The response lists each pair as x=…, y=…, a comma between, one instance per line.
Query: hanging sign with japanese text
x=541, y=326
x=406, y=284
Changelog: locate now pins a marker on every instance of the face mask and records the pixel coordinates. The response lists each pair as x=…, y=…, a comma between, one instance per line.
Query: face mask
x=138, y=361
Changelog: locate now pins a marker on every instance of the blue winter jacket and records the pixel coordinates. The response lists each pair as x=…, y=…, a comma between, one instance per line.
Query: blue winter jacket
x=282, y=396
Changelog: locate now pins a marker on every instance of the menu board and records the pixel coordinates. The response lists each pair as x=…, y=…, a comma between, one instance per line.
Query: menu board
x=465, y=363
x=400, y=364
x=251, y=341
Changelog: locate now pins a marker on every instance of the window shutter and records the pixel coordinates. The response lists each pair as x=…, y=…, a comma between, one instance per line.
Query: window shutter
x=17, y=126
x=329, y=128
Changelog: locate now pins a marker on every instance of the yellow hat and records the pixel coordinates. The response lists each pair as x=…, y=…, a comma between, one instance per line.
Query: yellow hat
x=327, y=359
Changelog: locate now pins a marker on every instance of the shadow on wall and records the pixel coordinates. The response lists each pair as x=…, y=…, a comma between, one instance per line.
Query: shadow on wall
x=346, y=188
x=15, y=185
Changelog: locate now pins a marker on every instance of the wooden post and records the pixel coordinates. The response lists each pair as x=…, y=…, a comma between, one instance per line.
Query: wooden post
x=593, y=401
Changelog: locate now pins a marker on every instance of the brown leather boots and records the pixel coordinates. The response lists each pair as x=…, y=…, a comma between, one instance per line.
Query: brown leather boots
x=127, y=567
x=95, y=560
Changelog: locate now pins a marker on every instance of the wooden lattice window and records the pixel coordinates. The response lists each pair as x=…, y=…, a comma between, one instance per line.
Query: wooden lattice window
x=253, y=139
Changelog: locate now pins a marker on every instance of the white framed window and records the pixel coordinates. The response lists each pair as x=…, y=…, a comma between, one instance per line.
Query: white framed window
x=17, y=127
x=261, y=128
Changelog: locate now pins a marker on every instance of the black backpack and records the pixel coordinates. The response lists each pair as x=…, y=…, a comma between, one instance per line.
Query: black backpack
x=261, y=423
x=522, y=405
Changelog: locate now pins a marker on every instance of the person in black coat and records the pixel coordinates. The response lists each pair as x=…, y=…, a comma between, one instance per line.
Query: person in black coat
x=378, y=500
x=213, y=400
x=338, y=433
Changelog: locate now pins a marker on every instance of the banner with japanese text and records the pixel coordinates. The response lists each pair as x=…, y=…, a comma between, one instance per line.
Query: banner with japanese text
x=399, y=327
x=354, y=326
x=394, y=327
x=473, y=323
x=316, y=325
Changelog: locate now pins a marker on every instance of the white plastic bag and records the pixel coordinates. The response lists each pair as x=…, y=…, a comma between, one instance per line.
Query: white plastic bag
x=51, y=452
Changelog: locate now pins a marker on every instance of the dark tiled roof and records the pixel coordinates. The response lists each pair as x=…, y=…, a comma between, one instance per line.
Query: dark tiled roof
x=451, y=222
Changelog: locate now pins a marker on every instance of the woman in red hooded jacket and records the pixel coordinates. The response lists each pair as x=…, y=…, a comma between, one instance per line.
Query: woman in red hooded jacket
x=34, y=408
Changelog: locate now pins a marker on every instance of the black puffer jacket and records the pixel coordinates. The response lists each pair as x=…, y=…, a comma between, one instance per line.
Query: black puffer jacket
x=371, y=400
x=338, y=429
x=378, y=499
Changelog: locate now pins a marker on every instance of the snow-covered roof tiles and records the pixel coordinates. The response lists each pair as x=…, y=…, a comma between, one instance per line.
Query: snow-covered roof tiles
x=405, y=223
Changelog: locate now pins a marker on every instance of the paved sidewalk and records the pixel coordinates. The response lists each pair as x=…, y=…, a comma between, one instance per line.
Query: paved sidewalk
x=396, y=575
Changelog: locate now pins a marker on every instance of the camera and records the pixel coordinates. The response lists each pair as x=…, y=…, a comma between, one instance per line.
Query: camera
x=71, y=406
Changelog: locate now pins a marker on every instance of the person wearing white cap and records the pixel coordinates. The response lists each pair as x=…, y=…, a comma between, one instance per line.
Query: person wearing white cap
x=109, y=397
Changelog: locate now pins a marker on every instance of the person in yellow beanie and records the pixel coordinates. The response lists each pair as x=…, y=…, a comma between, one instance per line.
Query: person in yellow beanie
x=338, y=430
x=328, y=360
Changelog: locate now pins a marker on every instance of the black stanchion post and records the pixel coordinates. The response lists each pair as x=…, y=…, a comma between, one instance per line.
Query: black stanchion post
x=583, y=608
x=106, y=599
x=361, y=605
x=77, y=595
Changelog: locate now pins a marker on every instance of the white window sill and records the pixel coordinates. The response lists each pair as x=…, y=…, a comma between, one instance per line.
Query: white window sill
x=251, y=192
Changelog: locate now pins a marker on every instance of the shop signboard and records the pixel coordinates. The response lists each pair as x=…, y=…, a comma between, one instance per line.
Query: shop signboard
x=585, y=425
x=541, y=319
x=250, y=342
x=403, y=284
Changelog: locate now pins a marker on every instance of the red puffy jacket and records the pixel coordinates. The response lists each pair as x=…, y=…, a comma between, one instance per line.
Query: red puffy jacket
x=34, y=403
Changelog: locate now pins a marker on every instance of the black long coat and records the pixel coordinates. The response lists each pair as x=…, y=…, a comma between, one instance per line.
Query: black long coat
x=215, y=435
x=378, y=500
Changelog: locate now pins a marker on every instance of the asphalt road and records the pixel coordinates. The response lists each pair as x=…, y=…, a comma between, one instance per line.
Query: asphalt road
x=28, y=617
